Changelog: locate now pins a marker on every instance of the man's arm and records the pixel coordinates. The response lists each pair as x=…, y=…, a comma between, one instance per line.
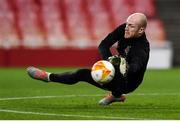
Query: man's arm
x=113, y=37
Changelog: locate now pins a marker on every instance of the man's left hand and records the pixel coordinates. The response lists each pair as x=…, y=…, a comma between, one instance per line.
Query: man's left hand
x=123, y=66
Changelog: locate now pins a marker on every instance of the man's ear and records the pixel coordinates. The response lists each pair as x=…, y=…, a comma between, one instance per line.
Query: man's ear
x=141, y=30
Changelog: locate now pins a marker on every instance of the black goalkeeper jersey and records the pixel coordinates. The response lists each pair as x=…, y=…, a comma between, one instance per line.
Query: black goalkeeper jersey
x=135, y=50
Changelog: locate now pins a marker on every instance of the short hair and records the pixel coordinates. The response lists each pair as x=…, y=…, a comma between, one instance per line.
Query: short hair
x=142, y=18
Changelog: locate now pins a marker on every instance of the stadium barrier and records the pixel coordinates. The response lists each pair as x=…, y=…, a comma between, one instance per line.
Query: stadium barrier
x=48, y=57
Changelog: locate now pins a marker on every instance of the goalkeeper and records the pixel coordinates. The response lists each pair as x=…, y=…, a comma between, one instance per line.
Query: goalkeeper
x=130, y=63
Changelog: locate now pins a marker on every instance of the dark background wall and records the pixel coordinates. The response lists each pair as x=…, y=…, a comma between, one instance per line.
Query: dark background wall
x=169, y=12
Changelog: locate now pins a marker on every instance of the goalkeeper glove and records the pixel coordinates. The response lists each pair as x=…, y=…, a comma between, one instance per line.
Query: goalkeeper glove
x=115, y=60
x=121, y=62
x=123, y=66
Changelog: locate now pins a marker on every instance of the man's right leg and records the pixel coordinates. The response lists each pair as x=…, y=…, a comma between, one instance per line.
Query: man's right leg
x=38, y=74
x=74, y=77
x=65, y=78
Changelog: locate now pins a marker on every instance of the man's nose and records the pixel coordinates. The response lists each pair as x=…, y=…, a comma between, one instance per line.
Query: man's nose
x=126, y=28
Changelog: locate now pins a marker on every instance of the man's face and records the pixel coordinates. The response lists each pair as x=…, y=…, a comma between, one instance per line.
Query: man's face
x=132, y=28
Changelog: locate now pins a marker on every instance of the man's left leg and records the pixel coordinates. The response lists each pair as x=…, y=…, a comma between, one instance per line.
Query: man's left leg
x=118, y=91
x=111, y=98
x=117, y=87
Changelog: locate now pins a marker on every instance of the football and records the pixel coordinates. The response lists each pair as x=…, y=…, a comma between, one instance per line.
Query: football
x=102, y=72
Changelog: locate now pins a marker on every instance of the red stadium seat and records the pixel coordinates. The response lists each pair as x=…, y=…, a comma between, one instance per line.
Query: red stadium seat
x=69, y=23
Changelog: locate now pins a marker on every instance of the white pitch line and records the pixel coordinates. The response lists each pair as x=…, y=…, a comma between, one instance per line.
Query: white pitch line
x=40, y=97
x=69, y=96
x=157, y=94
x=65, y=115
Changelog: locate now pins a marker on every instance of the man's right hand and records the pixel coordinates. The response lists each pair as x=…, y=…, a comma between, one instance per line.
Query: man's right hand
x=120, y=62
x=115, y=60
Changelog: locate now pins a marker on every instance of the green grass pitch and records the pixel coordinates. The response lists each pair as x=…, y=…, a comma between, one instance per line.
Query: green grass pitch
x=21, y=97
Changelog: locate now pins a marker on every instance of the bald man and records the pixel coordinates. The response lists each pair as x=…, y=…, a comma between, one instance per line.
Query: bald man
x=133, y=49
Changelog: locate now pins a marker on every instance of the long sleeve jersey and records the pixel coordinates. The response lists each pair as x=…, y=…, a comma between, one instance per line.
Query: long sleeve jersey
x=135, y=50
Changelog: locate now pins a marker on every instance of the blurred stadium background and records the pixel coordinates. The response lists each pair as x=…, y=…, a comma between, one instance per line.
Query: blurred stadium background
x=58, y=33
